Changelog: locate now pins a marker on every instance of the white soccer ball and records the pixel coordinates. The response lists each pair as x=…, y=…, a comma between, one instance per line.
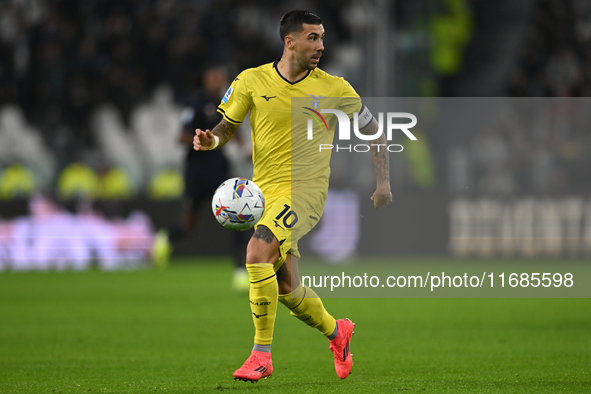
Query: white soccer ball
x=238, y=204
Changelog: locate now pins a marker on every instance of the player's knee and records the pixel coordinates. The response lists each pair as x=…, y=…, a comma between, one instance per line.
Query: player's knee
x=260, y=255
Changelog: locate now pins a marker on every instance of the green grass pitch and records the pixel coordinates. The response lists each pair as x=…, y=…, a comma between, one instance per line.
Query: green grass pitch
x=183, y=331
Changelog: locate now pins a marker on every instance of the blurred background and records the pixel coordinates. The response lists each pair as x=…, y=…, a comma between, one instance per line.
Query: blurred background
x=95, y=95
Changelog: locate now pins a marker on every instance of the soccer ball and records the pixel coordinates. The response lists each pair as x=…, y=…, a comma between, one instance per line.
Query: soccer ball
x=238, y=204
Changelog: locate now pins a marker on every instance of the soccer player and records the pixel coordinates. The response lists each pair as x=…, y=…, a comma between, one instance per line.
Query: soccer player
x=291, y=210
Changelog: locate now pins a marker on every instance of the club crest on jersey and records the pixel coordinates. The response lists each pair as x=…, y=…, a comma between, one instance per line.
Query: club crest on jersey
x=316, y=101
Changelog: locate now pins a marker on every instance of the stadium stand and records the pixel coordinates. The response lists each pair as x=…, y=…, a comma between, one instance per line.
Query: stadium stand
x=62, y=62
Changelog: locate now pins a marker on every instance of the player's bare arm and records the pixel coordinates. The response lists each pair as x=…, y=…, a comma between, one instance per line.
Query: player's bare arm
x=205, y=140
x=382, y=196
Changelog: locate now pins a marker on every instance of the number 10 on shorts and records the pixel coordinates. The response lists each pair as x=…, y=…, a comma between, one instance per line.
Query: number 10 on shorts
x=290, y=218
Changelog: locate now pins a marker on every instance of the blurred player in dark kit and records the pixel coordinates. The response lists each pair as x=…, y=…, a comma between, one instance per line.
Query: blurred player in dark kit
x=204, y=172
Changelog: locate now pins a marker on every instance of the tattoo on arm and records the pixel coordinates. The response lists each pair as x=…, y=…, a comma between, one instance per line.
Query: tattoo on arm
x=379, y=153
x=224, y=130
x=264, y=233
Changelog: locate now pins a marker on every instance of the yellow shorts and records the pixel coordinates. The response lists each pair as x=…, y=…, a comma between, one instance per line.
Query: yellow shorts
x=289, y=221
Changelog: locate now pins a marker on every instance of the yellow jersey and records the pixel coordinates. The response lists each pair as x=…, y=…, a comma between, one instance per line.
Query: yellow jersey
x=283, y=155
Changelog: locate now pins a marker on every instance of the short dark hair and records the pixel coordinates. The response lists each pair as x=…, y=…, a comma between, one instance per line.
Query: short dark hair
x=294, y=20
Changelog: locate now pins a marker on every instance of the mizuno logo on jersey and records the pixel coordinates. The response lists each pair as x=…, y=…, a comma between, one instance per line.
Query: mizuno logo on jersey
x=268, y=98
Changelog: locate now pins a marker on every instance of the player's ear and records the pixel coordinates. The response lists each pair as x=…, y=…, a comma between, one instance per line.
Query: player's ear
x=289, y=41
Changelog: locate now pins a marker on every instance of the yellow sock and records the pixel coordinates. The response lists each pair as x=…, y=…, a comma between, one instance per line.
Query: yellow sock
x=305, y=304
x=263, y=301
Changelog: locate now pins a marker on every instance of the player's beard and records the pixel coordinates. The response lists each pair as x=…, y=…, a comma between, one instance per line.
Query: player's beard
x=304, y=62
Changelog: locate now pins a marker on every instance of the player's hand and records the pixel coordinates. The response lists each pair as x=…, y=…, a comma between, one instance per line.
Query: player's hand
x=203, y=140
x=382, y=197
